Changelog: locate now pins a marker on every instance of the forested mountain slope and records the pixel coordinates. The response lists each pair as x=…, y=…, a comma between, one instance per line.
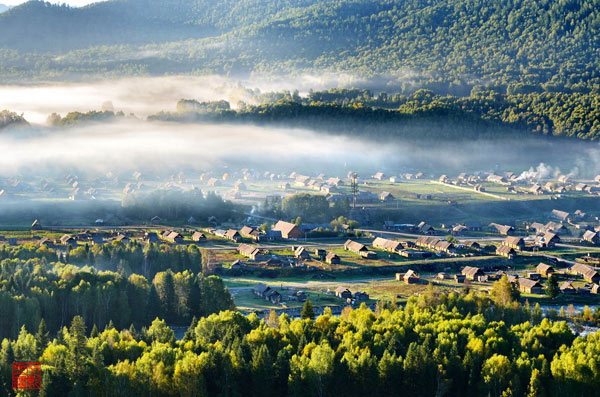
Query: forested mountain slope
x=533, y=45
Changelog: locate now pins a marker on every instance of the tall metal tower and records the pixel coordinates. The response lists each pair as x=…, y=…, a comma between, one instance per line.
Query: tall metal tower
x=354, y=187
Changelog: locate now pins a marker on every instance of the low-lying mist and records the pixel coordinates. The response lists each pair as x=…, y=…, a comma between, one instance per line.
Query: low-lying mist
x=161, y=148
x=157, y=148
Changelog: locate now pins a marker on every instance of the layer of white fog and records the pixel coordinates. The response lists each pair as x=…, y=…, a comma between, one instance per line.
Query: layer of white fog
x=148, y=95
x=156, y=147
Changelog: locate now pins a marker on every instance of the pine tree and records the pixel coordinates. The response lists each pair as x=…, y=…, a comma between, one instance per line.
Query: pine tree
x=190, y=334
x=94, y=333
x=307, y=310
x=552, y=288
x=77, y=349
x=41, y=338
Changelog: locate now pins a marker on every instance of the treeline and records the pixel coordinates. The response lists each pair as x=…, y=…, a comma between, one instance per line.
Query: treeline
x=437, y=345
x=74, y=118
x=11, y=119
x=144, y=259
x=308, y=207
x=172, y=205
x=423, y=114
x=31, y=290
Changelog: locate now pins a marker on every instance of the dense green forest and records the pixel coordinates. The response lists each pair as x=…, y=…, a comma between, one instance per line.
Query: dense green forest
x=437, y=345
x=423, y=114
x=176, y=205
x=445, y=46
x=110, y=283
x=312, y=208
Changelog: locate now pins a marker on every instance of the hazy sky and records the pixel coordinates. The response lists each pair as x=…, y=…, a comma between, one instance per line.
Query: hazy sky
x=75, y=3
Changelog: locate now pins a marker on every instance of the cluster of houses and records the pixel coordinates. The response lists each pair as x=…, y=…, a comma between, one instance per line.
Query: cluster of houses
x=301, y=254
x=435, y=244
x=380, y=176
x=530, y=284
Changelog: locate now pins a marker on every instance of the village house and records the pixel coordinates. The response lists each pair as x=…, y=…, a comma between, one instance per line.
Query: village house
x=299, y=296
x=249, y=251
x=471, y=272
x=387, y=245
x=301, y=180
x=595, y=289
x=568, y=288
x=386, y=196
x=36, y=225
x=537, y=227
x=174, y=237
x=410, y=277
x=505, y=251
x=122, y=238
x=335, y=182
x=458, y=230
x=332, y=258
x=497, y=179
x=68, y=240
x=343, y=293
x=534, y=276
x=536, y=189
x=544, y=269
x=250, y=232
x=474, y=245
x=301, y=253
x=425, y=228
x=587, y=272
x=443, y=276
x=198, y=237
x=459, y=278
x=591, y=236
x=556, y=227
x=560, y=215
x=514, y=242
x=547, y=240
x=529, y=286
x=505, y=230
x=268, y=293
x=45, y=241
x=236, y=265
x=355, y=246
x=288, y=230
x=233, y=235
x=414, y=254
x=151, y=237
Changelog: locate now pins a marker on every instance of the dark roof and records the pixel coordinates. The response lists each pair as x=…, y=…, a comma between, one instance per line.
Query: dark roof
x=261, y=288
